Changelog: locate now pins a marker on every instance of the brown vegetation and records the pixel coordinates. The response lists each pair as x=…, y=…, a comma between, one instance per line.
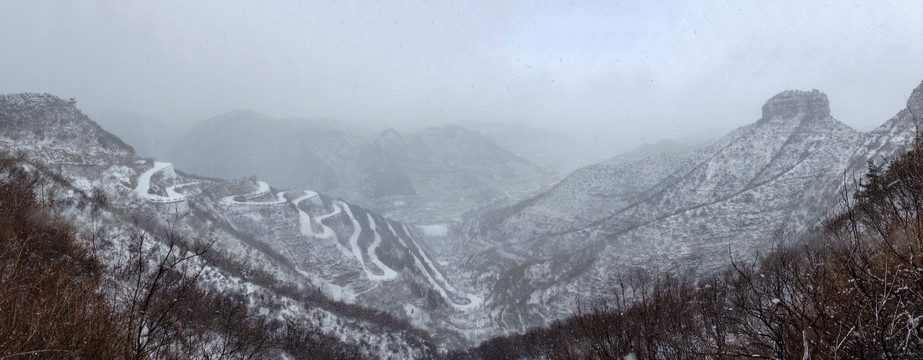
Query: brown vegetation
x=57, y=301
x=50, y=306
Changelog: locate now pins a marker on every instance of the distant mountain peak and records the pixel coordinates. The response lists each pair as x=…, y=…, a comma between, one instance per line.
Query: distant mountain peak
x=390, y=134
x=53, y=129
x=797, y=104
x=33, y=99
x=450, y=129
x=240, y=114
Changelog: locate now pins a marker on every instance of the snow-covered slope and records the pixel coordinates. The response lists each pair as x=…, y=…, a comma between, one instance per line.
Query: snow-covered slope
x=348, y=252
x=342, y=247
x=683, y=213
x=287, y=253
x=54, y=131
x=508, y=268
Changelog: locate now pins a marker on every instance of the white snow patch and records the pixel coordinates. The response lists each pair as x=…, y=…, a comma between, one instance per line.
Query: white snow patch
x=144, y=185
x=354, y=245
x=304, y=220
x=435, y=230
x=328, y=232
x=262, y=189
x=388, y=272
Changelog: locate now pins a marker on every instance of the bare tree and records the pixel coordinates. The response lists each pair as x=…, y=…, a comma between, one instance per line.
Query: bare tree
x=161, y=277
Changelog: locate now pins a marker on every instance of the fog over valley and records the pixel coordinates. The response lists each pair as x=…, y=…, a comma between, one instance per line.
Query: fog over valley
x=627, y=73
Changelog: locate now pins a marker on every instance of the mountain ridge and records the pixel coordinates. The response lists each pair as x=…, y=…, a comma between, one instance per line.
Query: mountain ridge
x=509, y=268
x=778, y=175
x=267, y=244
x=32, y=122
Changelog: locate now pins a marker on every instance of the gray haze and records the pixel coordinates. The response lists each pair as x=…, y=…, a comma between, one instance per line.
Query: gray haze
x=625, y=72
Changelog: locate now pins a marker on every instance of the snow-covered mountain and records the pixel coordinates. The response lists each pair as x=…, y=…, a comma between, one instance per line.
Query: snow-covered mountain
x=684, y=213
x=297, y=256
x=431, y=175
x=399, y=288
x=50, y=127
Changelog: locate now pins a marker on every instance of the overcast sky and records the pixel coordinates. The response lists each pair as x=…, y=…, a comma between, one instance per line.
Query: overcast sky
x=626, y=71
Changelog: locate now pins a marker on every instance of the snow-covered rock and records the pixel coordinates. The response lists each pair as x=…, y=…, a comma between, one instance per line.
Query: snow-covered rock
x=53, y=131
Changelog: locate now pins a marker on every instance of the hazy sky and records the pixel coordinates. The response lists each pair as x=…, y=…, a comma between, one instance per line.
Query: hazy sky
x=625, y=71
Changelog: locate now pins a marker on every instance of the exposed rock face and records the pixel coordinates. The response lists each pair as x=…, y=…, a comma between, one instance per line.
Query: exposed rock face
x=796, y=104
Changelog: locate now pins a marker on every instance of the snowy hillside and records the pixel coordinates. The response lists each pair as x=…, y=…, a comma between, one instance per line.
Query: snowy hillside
x=685, y=213
x=410, y=288
x=298, y=257
x=339, y=247
x=55, y=131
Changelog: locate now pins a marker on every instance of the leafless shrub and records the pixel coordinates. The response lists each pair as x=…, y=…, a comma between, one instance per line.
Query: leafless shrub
x=49, y=303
